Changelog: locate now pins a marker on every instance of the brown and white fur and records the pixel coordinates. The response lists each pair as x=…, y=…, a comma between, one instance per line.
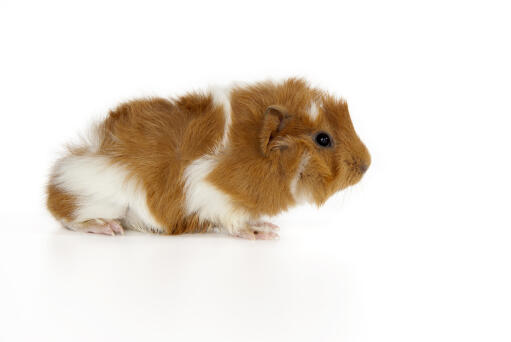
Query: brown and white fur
x=222, y=159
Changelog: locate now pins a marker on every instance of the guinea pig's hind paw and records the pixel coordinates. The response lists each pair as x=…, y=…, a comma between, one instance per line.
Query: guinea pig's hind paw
x=115, y=226
x=98, y=226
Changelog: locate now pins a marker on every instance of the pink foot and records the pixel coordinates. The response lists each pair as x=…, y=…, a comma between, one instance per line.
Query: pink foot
x=265, y=226
x=97, y=226
x=266, y=235
x=259, y=231
x=116, y=226
x=256, y=235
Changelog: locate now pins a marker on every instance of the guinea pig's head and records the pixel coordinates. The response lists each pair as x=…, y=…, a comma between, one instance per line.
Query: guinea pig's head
x=317, y=143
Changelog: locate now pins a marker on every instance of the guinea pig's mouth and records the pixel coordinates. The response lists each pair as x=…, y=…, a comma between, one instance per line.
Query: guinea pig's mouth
x=355, y=172
x=353, y=179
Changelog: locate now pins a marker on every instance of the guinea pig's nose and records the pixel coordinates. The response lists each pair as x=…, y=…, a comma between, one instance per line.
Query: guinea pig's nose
x=363, y=167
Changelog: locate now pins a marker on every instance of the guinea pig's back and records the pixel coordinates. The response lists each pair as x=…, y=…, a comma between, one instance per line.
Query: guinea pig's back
x=162, y=131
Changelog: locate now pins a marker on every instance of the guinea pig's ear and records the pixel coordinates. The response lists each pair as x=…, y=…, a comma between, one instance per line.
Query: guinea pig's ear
x=275, y=118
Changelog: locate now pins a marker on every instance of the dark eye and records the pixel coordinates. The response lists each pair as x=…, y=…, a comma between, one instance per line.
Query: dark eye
x=323, y=139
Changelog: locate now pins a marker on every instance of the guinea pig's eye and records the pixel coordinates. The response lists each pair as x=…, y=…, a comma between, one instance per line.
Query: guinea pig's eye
x=323, y=139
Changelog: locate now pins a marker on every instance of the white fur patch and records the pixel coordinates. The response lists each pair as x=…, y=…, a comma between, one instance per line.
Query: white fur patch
x=207, y=201
x=299, y=195
x=313, y=110
x=105, y=190
x=222, y=97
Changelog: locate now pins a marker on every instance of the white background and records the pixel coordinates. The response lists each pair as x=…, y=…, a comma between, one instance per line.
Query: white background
x=419, y=251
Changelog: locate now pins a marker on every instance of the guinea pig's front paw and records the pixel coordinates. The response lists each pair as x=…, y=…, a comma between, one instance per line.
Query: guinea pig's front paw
x=264, y=226
x=259, y=231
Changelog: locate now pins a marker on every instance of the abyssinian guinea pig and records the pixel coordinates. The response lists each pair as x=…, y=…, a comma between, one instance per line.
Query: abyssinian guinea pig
x=216, y=160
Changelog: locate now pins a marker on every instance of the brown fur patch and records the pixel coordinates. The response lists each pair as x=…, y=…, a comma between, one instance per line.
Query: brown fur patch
x=60, y=203
x=156, y=140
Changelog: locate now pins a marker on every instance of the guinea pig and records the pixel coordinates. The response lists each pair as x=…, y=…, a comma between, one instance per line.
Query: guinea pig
x=219, y=160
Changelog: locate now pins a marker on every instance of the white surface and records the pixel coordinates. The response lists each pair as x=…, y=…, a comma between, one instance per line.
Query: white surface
x=420, y=251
